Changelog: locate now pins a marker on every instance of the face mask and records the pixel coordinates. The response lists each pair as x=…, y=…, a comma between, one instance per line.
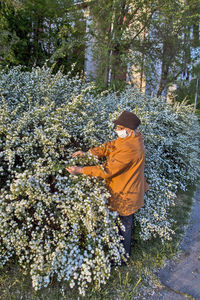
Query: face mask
x=121, y=133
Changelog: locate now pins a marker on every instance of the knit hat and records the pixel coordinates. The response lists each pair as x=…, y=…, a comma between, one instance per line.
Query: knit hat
x=128, y=120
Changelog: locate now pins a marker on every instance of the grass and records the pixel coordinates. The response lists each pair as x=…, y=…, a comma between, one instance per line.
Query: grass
x=131, y=282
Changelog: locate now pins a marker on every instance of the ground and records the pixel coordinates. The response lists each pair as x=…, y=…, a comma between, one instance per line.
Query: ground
x=180, y=278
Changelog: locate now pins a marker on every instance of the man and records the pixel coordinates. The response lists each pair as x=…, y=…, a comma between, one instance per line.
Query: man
x=123, y=171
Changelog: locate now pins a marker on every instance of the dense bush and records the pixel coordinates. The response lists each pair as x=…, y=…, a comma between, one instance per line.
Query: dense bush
x=57, y=224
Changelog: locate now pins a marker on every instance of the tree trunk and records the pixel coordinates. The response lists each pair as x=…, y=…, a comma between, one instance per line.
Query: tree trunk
x=107, y=69
x=166, y=61
x=196, y=95
x=118, y=69
x=163, y=79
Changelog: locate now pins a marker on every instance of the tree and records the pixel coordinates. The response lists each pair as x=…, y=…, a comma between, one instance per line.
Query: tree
x=172, y=32
x=117, y=26
x=141, y=34
x=33, y=32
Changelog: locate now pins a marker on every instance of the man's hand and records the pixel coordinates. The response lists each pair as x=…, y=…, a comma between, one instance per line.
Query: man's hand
x=78, y=153
x=74, y=170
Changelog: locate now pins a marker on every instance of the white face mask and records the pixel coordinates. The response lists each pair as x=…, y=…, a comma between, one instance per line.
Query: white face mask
x=121, y=133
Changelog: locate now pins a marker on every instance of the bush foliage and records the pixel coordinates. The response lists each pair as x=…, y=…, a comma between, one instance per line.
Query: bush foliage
x=57, y=224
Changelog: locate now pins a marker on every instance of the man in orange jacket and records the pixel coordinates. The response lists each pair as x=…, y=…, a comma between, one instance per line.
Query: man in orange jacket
x=123, y=171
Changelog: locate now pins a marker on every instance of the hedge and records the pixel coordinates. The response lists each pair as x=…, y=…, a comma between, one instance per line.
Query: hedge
x=57, y=224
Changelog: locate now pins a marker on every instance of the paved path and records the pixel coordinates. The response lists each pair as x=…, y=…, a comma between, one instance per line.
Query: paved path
x=180, y=278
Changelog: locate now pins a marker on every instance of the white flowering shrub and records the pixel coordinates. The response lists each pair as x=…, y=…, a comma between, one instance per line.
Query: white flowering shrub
x=57, y=224
x=171, y=137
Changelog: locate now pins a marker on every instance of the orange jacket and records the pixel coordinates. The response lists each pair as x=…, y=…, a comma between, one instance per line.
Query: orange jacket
x=123, y=171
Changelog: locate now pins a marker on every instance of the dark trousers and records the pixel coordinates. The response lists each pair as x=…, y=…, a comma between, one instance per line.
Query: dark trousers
x=127, y=221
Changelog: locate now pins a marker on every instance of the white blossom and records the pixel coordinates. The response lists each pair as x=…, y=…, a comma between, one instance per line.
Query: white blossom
x=59, y=224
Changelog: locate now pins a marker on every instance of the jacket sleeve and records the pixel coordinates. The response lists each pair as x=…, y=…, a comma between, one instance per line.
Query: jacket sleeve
x=112, y=167
x=103, y=150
